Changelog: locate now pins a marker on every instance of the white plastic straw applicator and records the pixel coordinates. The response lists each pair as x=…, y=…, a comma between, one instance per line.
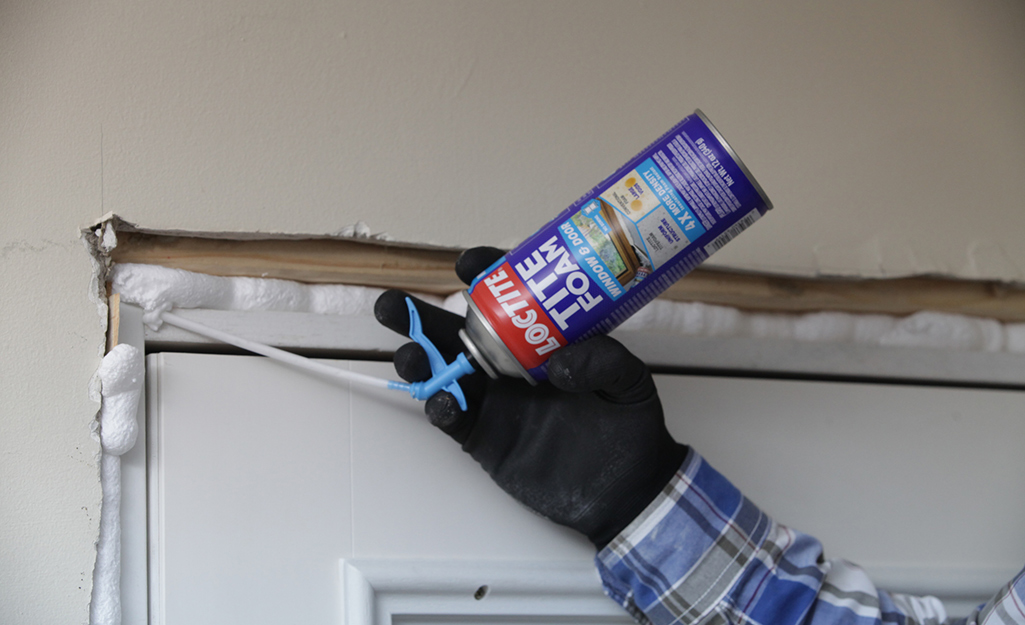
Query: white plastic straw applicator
x=446, y=375
x=280, y=354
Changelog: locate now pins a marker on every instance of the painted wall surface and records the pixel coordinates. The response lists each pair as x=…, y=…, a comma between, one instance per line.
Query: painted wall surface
x=891, y=137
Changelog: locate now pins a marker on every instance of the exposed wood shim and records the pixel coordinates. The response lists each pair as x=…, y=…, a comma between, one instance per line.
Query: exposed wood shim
x=310, y=260
x=328, y=259
x=113, y=321
x=897, y=296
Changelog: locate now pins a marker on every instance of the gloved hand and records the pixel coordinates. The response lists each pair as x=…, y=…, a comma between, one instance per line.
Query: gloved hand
x=589, y=449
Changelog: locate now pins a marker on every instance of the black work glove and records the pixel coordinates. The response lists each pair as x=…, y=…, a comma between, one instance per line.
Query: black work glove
x=589, y=449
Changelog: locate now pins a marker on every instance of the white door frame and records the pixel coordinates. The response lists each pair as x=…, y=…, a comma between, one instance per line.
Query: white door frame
x=376, y=590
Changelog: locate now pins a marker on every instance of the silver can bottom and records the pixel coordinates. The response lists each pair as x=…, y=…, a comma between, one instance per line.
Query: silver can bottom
x=486, y=348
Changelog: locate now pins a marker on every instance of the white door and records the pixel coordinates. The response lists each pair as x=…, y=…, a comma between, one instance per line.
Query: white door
x=262, y=479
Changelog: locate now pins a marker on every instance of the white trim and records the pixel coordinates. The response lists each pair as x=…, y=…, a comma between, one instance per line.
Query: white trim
x=362, y=335
x=134, y=470
x=154, y=497
x=288, y=330
x=376, y=592
x=820, y=358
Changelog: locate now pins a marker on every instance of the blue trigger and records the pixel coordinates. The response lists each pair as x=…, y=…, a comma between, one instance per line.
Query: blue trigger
x=444, y=375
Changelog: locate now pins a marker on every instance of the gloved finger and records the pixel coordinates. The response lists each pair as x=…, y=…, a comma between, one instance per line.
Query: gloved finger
x=444, y=413
x=604, y=365
x=411, y=363
x=473, y=261
x=441, y=326
x=442, y=409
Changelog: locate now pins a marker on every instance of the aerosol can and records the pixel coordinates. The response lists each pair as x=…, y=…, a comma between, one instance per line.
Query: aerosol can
x=614, y=250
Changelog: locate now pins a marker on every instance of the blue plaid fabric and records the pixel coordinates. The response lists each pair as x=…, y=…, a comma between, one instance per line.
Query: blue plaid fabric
x=703, y=553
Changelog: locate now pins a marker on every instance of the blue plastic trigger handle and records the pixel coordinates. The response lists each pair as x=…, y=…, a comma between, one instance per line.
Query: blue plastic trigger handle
x=444, y=375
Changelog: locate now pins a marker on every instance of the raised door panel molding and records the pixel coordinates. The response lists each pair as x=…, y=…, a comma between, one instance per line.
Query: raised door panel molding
x=392, y=591
x=384, y=592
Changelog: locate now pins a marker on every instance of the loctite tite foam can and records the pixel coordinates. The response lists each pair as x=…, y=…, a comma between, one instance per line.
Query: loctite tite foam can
x=614, y=250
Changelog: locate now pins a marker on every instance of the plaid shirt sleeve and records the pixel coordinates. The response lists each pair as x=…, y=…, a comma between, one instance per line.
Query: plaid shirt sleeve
x=703, y=553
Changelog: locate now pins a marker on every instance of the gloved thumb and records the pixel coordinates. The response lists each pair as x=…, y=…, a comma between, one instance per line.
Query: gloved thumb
x=475, y=260
x=601, y=364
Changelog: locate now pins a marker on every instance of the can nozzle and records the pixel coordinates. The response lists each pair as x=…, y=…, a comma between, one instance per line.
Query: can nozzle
x=445, y=375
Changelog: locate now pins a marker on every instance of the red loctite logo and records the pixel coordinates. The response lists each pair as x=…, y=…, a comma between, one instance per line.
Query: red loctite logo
x=516, y=316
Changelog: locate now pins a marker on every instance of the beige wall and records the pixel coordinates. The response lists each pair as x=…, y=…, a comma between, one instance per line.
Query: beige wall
x=891, y=137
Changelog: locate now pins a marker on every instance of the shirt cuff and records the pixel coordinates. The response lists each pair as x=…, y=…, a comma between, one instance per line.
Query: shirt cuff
x=680, y=557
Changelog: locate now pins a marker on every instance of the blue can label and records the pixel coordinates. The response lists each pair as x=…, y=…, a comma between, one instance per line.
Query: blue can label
x=614, y=250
